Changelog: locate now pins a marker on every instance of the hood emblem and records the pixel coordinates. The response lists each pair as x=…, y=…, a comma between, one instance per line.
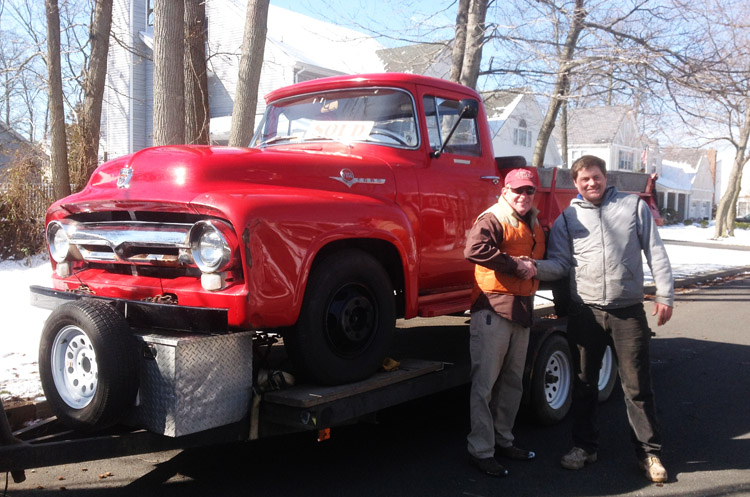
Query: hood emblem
x=123, y=181
x=346, y=176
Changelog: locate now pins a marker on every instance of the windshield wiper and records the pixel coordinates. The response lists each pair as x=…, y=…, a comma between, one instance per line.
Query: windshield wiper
x=277, y=139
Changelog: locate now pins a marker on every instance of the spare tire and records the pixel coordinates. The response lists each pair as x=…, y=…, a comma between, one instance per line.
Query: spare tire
x=88, y=363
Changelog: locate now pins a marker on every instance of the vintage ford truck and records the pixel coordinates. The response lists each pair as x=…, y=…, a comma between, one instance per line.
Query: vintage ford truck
x=348, y=211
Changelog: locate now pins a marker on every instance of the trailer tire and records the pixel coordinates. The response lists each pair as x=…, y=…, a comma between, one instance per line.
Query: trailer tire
x=607, y=374
x=88, y=364
x=552, y=381
x=347, y=320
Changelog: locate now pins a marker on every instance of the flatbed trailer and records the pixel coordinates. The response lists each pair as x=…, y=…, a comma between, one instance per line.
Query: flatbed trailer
x=299, y=408
x=432, y=357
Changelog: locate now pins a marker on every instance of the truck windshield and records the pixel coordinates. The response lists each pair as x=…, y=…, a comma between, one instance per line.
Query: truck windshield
x=375, y=115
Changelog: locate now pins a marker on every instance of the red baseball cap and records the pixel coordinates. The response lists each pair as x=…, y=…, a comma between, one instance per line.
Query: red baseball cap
x=520, y=177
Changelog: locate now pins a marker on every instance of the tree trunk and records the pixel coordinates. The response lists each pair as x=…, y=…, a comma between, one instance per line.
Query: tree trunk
x=562, y=85
x=727, y=208
x=93, y=85
x=563, y=135
x=459, y=45
x=474, y=43
x=59, y=148
x=253, y=49
x=169, y=94
x=196, y=78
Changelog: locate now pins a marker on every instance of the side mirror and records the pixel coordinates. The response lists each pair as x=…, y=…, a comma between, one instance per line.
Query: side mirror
x=469, y=110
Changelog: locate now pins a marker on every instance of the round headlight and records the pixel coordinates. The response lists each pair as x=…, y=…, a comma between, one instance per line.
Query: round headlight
x=57, y=239
x=210, y=249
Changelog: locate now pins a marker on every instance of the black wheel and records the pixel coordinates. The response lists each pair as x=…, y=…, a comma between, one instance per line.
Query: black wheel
x=552, y=381
x=347, y=319
x=88, y=364
x=607, y=374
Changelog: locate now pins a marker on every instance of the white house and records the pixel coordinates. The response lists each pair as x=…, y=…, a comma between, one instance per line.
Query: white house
x=515, y=119
x=724, y=165
x=610, y=133
x=686, y=182
x=298, y=48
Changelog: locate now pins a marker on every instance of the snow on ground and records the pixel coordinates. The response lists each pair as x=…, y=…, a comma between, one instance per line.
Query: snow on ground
x=19, y=375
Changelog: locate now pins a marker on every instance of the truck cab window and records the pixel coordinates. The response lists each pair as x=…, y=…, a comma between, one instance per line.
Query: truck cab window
x=441, y=115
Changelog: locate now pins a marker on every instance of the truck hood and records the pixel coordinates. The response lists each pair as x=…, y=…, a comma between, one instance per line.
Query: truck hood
x=167, y=178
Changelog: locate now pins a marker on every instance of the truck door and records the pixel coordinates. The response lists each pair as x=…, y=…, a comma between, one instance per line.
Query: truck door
x=455, y=187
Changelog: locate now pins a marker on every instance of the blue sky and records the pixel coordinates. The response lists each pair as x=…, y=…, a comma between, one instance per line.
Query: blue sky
x=403, y=22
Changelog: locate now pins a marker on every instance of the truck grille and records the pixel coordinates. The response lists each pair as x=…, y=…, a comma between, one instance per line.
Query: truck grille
x=131, y=242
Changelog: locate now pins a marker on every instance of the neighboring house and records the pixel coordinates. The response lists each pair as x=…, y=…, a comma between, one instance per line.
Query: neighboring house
x=298, y=48
x=10, y=143
x=610, y=133
x=686, y=182
x=724, y=165
x=515, y=119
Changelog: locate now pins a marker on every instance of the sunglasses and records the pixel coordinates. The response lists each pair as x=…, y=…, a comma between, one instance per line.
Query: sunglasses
x=528, y=190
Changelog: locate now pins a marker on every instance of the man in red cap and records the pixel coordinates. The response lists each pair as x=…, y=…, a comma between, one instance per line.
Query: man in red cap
x=504, y=240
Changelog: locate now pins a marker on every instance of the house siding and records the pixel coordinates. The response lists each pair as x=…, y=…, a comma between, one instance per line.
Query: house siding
x=124, y=125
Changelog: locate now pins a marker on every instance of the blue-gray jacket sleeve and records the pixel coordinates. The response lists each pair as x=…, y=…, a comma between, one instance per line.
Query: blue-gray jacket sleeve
x=559, y=259
x=656, y=256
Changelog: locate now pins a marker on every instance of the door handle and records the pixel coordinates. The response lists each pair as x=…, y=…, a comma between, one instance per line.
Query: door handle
x=494, y=179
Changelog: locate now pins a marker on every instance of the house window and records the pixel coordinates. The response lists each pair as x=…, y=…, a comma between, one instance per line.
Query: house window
x=522, y=136
x=150, y=13
x=625, y=160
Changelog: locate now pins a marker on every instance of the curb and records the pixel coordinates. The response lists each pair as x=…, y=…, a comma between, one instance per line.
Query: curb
x=20, y=412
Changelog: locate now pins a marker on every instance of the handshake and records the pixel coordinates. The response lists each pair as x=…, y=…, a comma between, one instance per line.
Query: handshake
x=526, y=267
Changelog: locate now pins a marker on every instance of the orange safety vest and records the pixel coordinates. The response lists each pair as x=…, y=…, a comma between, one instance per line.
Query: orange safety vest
x=518, y=240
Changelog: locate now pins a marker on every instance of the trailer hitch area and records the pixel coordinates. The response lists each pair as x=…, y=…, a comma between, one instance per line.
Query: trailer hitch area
x=7, y=438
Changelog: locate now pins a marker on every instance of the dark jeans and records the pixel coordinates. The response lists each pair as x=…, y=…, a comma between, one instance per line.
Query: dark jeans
x=588, y=330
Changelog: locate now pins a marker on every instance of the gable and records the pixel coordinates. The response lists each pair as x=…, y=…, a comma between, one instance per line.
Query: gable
x=601, y=126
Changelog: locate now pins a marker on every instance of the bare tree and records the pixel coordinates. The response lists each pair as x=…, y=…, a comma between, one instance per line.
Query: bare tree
x=196, y=78
x=712, y=90
x=93, y=84
x=59, y=149
x=562, y=83
x=169, y=95
x=251, y=62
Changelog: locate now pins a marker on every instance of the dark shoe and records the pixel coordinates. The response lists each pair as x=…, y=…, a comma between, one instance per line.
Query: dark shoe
x=488, y=466
x=514, y=452
x=577, y=458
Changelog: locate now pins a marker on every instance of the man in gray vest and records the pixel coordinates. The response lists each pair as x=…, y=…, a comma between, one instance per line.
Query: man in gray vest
x=597, y=242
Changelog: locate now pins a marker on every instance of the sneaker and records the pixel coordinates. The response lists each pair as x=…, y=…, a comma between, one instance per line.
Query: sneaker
x=577, y=458
x=488, y=466
x=654, y=469
x=514, y=452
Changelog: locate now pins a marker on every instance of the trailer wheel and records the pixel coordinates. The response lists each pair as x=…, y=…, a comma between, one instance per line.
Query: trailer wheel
x=347, y=320
x=88, y=364
x=552, y=381
x=607, y=374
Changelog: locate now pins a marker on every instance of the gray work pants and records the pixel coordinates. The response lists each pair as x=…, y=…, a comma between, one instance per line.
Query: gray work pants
x=498, y=355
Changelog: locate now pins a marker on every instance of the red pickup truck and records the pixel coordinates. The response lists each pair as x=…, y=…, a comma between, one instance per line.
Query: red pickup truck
x=349, y=209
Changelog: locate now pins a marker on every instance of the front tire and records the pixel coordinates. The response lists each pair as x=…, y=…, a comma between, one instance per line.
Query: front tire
x=347, y=319
x=552, y=381
x=88, y=364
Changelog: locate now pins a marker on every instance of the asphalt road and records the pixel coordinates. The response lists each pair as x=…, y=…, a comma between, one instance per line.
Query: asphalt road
x=701, y=364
